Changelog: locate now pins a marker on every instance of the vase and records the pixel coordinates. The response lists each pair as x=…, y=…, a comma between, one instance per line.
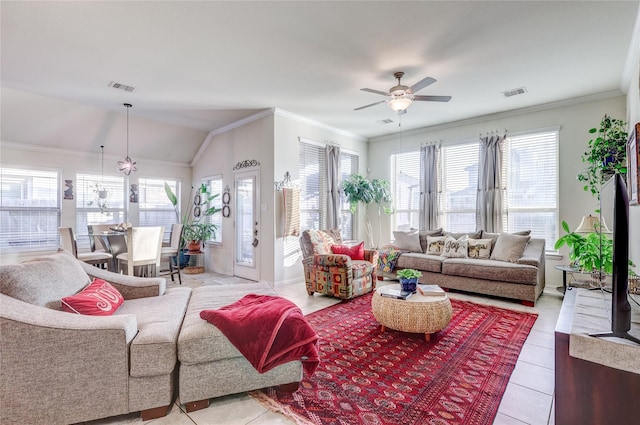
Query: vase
x=410, y=284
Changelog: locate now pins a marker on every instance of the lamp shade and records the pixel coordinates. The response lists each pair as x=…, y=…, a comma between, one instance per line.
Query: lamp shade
x=591, y=224
x=400, y=102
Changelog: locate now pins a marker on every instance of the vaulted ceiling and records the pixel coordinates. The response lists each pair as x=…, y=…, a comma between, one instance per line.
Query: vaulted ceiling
x=198, y=66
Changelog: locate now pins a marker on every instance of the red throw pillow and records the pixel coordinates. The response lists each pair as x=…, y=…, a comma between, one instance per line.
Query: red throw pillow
x=356, y=252
x=99, y=298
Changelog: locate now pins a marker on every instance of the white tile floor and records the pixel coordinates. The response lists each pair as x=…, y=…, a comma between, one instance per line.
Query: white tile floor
x=528, y=398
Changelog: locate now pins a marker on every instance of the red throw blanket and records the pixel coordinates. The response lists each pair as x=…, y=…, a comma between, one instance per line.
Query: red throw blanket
x=268, y=331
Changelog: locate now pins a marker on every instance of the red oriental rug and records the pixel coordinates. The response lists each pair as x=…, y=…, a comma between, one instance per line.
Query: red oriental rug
x=394, y=378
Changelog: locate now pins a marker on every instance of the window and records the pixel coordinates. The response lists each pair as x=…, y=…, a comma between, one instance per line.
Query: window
x=313, y=193
x=531, y=201
x=215, y=188
x=459, y=187
x=30, y=209
x=405, y=172
x=91, y=209
x=348, y=166
x=155, y=208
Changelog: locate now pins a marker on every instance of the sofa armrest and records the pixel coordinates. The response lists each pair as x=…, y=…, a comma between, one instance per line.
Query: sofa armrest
x=130, y=287
x=533, y=253
x=371, y=255
x=63, y=362
x=332, y=260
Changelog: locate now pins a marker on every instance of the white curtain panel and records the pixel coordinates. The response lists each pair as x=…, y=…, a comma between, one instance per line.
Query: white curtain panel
x=333, y=186
x=489, y=202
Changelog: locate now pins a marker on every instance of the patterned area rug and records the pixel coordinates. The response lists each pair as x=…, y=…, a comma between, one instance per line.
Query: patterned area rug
x=393, y=378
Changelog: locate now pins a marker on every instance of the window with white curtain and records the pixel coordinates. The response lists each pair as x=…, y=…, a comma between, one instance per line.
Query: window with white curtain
x=29, y=209
x=530, y=164
x=91, y=209
x=214, y=185
x=154, y=207
x=459, y=187
x=405, y=172
x=313, y=189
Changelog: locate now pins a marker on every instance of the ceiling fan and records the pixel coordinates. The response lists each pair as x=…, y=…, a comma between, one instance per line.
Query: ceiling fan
x=400, y=97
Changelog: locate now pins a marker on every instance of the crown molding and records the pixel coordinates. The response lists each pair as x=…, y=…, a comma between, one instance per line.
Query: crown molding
x=67, y=152
x=304, y=120
x=504, y=114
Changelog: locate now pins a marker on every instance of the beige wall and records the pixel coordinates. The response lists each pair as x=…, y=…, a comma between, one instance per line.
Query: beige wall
x=633, y=117
x=574, y=122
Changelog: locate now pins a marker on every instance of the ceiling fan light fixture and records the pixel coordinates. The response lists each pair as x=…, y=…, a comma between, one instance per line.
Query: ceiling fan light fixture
x=401, y=102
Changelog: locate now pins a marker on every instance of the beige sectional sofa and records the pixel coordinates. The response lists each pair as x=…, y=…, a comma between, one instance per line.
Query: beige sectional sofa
x=522, y=278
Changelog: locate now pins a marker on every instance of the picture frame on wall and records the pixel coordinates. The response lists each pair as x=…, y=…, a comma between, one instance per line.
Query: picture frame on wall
x=633, y=161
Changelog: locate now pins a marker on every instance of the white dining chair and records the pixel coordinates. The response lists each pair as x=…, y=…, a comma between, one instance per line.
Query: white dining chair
x=144, y=245
x=97, y=258
x=171, y=252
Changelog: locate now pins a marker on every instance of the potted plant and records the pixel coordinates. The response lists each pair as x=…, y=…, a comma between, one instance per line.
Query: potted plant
x=409, y=279
x=196, y=229
x=605, y=155
x=358, y=189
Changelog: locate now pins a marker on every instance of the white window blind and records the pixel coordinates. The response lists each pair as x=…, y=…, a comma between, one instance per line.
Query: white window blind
x=154, y=207
x=459, y=187
x=87, y=207
x=405, y=172
x=348, y=166
x=531, y=167
x=29, y=209
x=215, y=188
x=313, y=178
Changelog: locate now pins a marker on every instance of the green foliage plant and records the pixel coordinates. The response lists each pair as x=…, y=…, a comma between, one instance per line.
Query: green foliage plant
x=605, y=154
x=408, y=273
x=195, y=228
x=359, y=189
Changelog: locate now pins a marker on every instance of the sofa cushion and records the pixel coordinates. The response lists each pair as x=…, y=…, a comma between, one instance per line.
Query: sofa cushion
x=455, y=248
x=407, y=241
x=424, y=234
x=424, y=262
x=435, y=245
x=98, y=299
x=494, y=236
x=509, y=247
x=490, y=270
x=479, y=248
x=356, y=252
x=44, y=281
x=153, y=350
x=199, y=342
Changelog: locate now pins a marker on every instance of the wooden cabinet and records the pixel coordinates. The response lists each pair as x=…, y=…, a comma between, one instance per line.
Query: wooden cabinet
x=587, y=392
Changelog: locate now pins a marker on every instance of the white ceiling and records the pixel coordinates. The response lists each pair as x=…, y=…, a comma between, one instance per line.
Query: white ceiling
x=203, y=65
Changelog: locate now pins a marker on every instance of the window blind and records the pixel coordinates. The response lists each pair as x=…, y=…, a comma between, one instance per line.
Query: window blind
x=406, y=190
x=29, y=209
x=348, y=167
x=215, y=188
x=154, y=207
x=459, y=186
x=313, y=178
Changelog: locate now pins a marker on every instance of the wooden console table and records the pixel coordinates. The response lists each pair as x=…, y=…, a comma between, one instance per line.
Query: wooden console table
x=587, y=392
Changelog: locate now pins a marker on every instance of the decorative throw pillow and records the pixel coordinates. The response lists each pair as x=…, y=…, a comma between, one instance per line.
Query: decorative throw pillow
x=321, y=241
x=407, y=241
x=455, y=248
x=458, y=235
x=509, y=247
x=424, y=234
x=435, y=244
x=356, y=252
x=494, y=236
x=99, y=298
x=479, y=248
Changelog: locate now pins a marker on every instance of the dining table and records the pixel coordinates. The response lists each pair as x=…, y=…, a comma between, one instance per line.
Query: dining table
x=115, y=243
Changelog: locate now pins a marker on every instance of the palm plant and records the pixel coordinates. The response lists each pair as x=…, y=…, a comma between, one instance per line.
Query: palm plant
x=359, y=189
x=195, y=227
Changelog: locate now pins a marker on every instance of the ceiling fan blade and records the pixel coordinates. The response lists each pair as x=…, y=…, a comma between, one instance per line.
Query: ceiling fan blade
x=366, y=106
x=422, y=84
x=433, y=98
x=375, y=91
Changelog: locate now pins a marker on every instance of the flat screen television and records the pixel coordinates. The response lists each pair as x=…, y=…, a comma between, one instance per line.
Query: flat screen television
x=614, y=209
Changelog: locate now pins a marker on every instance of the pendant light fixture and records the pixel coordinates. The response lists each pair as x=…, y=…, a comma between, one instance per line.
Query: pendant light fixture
x=127, y=165
x=102, y=192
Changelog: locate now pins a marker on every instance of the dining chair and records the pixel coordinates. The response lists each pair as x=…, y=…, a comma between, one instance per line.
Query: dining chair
x=144, y=245
x=68, y=243
x=171, y=252
x=95, y=240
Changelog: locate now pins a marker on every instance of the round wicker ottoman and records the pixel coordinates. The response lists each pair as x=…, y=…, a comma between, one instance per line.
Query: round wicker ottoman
x=417, y=314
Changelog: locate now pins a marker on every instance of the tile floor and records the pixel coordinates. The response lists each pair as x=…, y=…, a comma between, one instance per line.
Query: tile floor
x=528, y=398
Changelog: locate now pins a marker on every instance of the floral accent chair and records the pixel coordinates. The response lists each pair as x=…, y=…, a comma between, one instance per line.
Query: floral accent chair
x=332, y=274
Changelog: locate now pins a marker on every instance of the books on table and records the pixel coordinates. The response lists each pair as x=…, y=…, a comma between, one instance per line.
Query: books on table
x=394, y=292
x=431, y=290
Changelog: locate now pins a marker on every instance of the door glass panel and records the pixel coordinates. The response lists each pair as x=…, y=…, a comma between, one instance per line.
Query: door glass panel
x=245, y=221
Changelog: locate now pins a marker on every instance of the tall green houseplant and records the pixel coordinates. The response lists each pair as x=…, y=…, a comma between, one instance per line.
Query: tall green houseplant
x=605, y=154
x=359, y=189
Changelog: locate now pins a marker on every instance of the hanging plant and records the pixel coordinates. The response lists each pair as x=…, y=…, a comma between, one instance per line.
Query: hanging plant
x=100, y=195
x=606, y=154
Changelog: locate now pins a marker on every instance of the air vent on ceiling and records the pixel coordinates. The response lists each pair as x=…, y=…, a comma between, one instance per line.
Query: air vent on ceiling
x=121, y=86
x=514, y=92
x=385, y=121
